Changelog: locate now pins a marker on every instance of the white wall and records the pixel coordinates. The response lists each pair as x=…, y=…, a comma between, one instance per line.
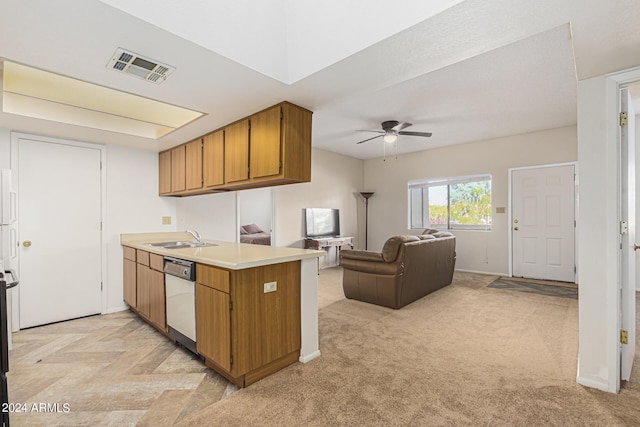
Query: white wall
x=133, y=206
x=256, y=207
x=336, y=181
x=214, y=216
x=479, y=251
x=598, y=358
x=5, y=149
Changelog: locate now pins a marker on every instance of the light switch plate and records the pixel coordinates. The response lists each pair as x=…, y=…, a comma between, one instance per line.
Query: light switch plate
x=270, y=287
x=166, y=220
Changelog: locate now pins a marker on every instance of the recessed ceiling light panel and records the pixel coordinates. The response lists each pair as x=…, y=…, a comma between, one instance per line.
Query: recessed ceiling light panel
x=136, y=65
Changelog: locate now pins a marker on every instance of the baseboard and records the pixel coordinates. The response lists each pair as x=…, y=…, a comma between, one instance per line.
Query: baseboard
x=309, y=357
x=117, y=309
x=597, y=384
x=482, y=272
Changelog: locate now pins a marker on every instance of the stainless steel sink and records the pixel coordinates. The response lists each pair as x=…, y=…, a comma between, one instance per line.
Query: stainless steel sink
x=181, y=245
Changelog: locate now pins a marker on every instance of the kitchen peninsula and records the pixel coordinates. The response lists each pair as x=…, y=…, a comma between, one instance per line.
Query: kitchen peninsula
x=256, y=307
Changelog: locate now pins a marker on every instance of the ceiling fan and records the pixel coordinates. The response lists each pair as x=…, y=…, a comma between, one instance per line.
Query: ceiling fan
x=391, y=129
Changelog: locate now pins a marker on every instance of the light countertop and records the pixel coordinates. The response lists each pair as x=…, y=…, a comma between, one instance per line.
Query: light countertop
x=234, y=256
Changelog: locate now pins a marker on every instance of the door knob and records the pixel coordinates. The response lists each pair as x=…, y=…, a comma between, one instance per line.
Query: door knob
x=26, y=243
x=515, y=229
x=515, y=221
x=635, y=247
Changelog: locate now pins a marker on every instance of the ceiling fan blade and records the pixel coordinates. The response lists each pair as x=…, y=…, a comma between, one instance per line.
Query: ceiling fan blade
x=378, y=136
x=409, y=133
x=401, y=126
x=369, y=130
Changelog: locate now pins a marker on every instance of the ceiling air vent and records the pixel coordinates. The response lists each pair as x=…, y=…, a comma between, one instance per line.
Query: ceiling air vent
x=139, y=66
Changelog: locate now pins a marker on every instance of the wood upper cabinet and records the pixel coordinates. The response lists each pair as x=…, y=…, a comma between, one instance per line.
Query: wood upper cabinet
x=165, y=173
x=271, y=147
x=296, y=143
x=265, y=143
x=193, y=162
x=213, y=159
x=280, y=145
x=178, y=169
x=236, y=152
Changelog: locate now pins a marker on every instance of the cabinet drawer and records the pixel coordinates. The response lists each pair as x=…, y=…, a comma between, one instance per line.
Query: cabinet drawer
x=129, y=253
x=142, y=257
x=156, y=262
x=213, y=277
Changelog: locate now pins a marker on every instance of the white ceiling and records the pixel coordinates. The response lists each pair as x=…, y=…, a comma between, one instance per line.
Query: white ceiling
x=464, y=70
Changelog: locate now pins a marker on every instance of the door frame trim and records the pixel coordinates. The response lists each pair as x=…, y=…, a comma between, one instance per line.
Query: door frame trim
x=575, y=211
x=15, y=137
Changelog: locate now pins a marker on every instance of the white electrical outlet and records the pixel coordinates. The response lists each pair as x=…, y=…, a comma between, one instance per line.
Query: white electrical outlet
x=270, y=287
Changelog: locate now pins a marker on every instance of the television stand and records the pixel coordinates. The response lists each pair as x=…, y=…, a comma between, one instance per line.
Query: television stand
x=324, y=243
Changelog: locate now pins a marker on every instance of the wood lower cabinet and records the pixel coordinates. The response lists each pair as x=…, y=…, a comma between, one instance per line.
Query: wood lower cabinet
x=248, y=321
x=157, y=299
x=129, y=279
x=213, y=325
x=144, y=288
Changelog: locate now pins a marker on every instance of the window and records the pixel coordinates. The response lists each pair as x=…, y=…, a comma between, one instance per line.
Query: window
x=462, y=202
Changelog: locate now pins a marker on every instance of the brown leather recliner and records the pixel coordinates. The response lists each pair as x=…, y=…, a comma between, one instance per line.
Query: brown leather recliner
x=408, y=268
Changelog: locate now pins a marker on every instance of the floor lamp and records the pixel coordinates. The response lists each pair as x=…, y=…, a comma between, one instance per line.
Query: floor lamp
x=366, y=196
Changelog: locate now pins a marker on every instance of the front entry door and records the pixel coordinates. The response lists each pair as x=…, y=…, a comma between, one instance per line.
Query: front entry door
x=543, y=222
x=59, y=222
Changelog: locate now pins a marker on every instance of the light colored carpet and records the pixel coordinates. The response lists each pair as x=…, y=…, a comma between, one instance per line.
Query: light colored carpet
x=464, y=355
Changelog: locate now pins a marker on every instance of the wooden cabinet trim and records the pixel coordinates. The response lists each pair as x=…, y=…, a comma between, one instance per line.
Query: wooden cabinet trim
x=213, y=277
x=129, y=253
x=142, y=257
x=156, y=262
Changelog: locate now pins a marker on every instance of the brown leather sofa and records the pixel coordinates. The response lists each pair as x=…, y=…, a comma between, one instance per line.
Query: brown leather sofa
x=408, y=268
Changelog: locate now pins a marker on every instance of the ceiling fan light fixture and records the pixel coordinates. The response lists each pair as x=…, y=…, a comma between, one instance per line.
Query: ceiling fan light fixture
x=390, y=137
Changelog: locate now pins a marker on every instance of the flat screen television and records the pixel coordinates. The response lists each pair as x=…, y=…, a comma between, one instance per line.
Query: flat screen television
x=322, y=222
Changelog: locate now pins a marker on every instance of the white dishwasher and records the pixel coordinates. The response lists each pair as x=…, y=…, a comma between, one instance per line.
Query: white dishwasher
x=180, y=283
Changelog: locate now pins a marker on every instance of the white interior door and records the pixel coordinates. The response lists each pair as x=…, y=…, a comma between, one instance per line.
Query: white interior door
x=543, y=222
x=59, y=225
x=627, y=236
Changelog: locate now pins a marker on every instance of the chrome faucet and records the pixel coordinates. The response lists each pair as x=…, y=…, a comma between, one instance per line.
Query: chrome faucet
x=195, y=235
